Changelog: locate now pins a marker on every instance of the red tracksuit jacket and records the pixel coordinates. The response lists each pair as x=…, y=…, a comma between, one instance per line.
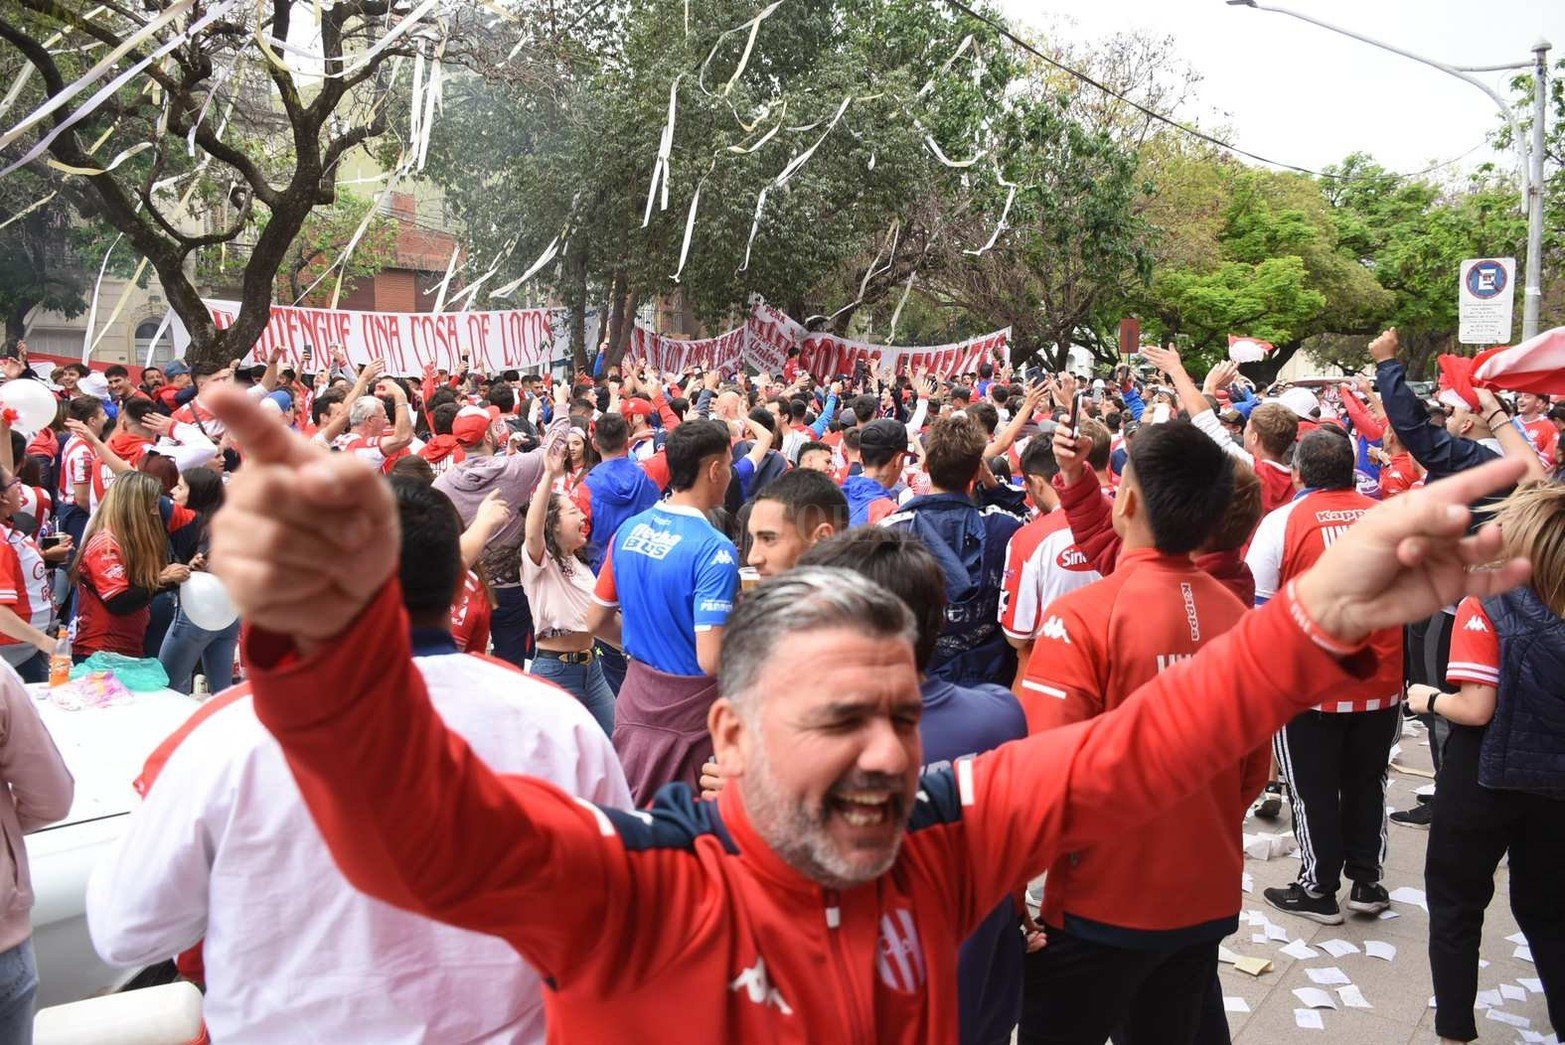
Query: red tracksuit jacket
x=678, y=924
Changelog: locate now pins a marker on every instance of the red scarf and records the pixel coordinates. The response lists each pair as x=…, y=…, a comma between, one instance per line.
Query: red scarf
x=442, y=446
x=129, y=446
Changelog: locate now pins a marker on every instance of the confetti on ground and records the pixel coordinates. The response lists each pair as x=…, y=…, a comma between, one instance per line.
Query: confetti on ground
x=1535, y=986
x=1314, y=997
x=1511, y=992
x=1308, y=1019
x=1523, y=952
x=1388, y=914
x=1507, y=1018
x=1327, y=977
x=1492, y=999
x=1407, y=894
x=1300, y=950
x=1380, y=949
x=1353, y=998
x=1235, y=1004
x=1516, y=938
x=1337, y=948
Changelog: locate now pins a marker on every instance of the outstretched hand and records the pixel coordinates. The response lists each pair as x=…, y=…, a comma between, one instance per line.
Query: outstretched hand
x=1410, y=556
x=305, y=537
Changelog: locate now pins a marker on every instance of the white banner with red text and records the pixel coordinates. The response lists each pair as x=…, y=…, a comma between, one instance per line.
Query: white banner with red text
x=827, y=356
x=403, y=341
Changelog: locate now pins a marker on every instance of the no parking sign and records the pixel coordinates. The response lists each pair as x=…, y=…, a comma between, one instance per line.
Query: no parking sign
x=1484, y=296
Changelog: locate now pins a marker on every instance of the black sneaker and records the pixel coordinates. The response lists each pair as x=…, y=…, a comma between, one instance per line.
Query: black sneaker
x=1424, y=800
x=1418, y=817
x=1368, y=898
x=1296, y=900
x=1270, y=804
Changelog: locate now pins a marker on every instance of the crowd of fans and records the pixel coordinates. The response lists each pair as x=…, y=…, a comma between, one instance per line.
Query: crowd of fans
x=903, y=645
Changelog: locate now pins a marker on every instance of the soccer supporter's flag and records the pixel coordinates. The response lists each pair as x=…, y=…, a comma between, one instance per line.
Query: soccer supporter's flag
x=1456, y=382
x=1248, y=349
x=1536, y=365
x=1129, y=336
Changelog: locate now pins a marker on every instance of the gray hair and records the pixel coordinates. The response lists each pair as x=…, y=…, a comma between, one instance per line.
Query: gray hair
x=803, y=599
x=364, y=408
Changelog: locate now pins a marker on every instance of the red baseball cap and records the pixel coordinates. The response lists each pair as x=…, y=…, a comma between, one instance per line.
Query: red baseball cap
x=470, y=425
x=634, y=407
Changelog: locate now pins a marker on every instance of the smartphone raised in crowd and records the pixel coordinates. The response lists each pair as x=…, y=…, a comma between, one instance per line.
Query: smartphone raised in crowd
x=1075, y=416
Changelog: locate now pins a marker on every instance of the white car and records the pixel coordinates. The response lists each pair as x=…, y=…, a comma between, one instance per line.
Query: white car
x=105, y=749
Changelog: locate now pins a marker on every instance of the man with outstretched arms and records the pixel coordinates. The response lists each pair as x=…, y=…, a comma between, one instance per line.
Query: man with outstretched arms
x=822, y=897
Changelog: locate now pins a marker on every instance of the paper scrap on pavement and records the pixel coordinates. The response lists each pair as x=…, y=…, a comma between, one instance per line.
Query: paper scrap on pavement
x=1235, y=1004
x=1512, y=992
x=1259, y=938
x=1278, y=933
x=1493, y=999
x=1523, y=952
x=1388, y=914
x=1226, y=956
x=1247, y=882
x=1253, y=966
x=1327, y=977
x=1314, y=997
x=1353, y=998
x=1407, y=894
x=1431, y=1001
x=1308, y=1019
x=1300, y=950
x=1535, y=986
x=1507, y=1018
x=1337, y=948
x=1533, y=1036
x=1380, y=949
x=1483, y=963
x=1516, y=938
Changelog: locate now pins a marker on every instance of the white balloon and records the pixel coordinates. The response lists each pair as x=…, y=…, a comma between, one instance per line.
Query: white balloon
x=34, y=404
x=205, y=602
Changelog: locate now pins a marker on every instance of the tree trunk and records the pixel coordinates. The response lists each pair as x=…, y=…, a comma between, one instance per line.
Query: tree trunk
x=577, y=269
x=614, y=316
x=1266, y=371
x=16, y=322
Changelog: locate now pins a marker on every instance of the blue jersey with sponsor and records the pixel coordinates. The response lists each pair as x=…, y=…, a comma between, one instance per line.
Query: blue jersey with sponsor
x=672, y=574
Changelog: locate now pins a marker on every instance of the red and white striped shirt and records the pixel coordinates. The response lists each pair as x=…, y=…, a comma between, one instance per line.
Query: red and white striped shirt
x=24, y=584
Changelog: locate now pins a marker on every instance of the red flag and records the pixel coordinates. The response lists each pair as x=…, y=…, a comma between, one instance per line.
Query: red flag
x=1536, y=365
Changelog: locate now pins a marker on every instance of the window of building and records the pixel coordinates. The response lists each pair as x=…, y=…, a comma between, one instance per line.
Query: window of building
x=144, y=334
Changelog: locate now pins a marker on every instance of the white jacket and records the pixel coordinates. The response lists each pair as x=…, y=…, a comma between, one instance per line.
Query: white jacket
x=224, y=850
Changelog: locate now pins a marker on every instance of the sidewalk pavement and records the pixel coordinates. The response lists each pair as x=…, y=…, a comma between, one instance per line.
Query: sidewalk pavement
x=1398, y=991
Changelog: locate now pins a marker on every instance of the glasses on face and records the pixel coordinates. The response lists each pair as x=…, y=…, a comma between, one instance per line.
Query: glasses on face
x=12, y=485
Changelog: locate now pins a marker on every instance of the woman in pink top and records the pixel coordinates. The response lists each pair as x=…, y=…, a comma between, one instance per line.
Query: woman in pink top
x=559, y=583
x=35, y=789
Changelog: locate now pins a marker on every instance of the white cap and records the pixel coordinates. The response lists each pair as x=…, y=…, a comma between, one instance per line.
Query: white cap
x=94, y=384
x=1301, y=401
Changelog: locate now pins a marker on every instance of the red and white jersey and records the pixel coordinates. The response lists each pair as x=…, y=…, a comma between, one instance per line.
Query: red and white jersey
x=1475, y=647
x=223, y=848
x=471, y=615
x=1543, y=437
x=77, y=465
x=1287, y=542
x=1042, y=563
x=1400, y=476
x=38, y=506
x=24, y=583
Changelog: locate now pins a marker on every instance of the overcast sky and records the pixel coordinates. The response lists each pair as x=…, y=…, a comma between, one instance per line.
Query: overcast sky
x=1294, y=92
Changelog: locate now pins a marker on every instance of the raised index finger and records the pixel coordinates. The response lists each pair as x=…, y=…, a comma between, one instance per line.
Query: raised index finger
x=261, y=437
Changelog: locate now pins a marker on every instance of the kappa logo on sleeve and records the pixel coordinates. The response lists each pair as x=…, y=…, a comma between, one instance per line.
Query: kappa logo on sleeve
x=722, y=558
x=1054, y=628
x=755, y=985
x=1475, y=624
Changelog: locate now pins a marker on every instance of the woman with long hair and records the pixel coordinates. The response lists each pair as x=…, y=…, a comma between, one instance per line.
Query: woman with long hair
x=580, y=457
x=123, y=564
x=187, y=644
x=1500, y=788
x=559, y=584
x=26, y=597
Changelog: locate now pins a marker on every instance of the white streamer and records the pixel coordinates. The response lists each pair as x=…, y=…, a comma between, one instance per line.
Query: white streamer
x=896, y=314
x=157, y=335
x=549, y=254
x=754, y=26
x=1005, y=212
x=690, y=223
x=92, y=310
x=440, y=295
x=661, y=169
x=929, y=85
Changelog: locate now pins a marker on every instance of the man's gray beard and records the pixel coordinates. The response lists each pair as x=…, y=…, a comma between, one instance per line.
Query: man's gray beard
x=797, y=837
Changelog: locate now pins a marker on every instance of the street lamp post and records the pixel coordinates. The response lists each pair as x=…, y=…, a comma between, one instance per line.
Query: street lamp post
x=1531, y=161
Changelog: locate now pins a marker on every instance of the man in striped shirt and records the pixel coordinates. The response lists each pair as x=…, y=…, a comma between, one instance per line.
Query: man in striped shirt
x=1334, y=756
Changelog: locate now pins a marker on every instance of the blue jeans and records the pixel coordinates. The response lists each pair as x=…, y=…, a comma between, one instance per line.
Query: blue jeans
x=34, y=669
x=187, y=645
x=613, y=660
x=585, y=682
x=164, y=605
x=511, y=627
x=18, y=990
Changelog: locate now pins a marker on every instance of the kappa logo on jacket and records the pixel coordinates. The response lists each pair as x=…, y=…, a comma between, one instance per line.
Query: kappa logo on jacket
x=1475, y=624
x=901, y=959
x=754, y=983
x=1054, y=628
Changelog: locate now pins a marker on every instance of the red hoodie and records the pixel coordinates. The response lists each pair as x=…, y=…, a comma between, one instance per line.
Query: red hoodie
x=679, y=924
